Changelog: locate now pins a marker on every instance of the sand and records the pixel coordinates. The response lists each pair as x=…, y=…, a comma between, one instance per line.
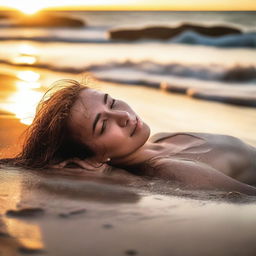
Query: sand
x=40, y=214
x=90, y=214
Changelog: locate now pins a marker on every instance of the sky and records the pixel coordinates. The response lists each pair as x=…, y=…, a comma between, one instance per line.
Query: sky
x=34, y=5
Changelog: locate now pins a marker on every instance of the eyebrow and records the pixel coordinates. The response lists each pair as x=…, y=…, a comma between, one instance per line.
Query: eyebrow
x=97, y=118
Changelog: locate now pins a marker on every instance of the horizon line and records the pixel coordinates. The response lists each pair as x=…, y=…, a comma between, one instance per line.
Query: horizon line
x=74, y=8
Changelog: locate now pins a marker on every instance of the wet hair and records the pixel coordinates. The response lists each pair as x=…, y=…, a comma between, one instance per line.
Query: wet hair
x=48, y=140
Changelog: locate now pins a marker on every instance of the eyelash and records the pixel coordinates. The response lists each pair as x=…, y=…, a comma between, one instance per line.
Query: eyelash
x=113, y=103
x=104, y=121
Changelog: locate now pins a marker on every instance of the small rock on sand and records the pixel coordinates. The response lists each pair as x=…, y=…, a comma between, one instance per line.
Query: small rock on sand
x=25, y=212
x=26, y=250
x=131, y=252
x=75, y=212
x=107, y=226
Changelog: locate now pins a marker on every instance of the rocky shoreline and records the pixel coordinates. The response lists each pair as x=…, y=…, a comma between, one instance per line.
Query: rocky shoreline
x=166, y=33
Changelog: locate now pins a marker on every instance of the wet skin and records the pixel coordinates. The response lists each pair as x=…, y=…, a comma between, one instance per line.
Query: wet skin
x=113, y=130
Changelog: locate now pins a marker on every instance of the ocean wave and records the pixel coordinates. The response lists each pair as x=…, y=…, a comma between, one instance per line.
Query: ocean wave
x=203, y=82
x=234, y=74
x=210, y=73
x=236, y=40
x=245, y=40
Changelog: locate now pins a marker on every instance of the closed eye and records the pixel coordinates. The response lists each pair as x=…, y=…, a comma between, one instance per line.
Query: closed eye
x=112, y=103
x=104, y=123
x=103, y=126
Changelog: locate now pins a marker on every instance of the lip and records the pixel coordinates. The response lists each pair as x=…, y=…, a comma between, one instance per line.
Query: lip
x=138, y=124
x=135, y=126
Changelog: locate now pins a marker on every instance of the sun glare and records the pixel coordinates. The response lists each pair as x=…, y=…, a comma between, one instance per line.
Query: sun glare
x=27, y=6
x=22, y=103
x=28, y=76
x=27, y=54
x=29, y=10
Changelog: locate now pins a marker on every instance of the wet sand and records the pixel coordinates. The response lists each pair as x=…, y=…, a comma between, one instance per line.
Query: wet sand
x=40, y=215
x=90, y=214
x=11, y=131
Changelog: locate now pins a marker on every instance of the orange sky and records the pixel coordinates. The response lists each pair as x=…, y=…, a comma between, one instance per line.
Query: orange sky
x=130, y=4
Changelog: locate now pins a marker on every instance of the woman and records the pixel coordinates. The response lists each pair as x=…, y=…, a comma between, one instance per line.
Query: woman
x=77, y=124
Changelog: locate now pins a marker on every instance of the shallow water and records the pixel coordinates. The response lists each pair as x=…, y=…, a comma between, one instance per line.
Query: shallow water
x=143, y=221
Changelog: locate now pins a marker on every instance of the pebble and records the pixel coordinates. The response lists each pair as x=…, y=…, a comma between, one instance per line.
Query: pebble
x=107, y=226
x=131, y=252
x=25, y=212
x=26, y=250
x=75, y=212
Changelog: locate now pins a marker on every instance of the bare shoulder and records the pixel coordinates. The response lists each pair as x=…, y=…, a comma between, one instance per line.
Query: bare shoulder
x=165, y=135
x=162, y=135
x=215, y=139
x=227, y=141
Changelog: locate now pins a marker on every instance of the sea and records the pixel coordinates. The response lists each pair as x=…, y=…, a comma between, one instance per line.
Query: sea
x=189, y=58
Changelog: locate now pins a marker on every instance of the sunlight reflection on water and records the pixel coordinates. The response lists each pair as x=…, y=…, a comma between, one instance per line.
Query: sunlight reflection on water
x=23, y=101
x=24, y=59
x=27, y=54
x=23, y=104
x=28, y=76
x=27, y=235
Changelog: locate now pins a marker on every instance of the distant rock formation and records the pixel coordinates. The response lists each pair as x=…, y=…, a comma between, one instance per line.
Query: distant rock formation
x=47, y=20
x=166, y=33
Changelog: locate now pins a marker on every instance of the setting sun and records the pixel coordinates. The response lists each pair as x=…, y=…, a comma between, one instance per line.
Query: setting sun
x=29, y=10
x=27, y=7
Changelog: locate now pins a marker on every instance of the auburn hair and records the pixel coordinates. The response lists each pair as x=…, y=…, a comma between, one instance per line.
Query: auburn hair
x=48, y=139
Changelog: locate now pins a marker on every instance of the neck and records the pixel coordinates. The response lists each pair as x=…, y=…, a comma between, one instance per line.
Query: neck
x=140, y=155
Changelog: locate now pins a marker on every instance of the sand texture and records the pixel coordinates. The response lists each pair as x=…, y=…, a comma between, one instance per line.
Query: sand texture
x=45, y=215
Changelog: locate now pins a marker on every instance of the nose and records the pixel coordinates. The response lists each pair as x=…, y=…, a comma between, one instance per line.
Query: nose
x=121, y=117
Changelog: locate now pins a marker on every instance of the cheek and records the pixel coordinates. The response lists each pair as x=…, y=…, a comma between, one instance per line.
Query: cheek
x=116, y=137
x=118, y=143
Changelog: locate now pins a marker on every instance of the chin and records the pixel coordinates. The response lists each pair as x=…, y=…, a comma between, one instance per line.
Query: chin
x=145, y=134
x=147, y=128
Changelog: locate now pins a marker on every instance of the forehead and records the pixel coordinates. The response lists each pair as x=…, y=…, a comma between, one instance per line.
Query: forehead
x=85, y=110
x=88, y=100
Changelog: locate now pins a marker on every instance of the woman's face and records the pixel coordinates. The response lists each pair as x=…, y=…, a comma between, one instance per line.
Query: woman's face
x=108, y=126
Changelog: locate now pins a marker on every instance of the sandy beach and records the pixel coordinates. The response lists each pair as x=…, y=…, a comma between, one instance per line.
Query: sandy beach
x=60, y=214
x=197, y=80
